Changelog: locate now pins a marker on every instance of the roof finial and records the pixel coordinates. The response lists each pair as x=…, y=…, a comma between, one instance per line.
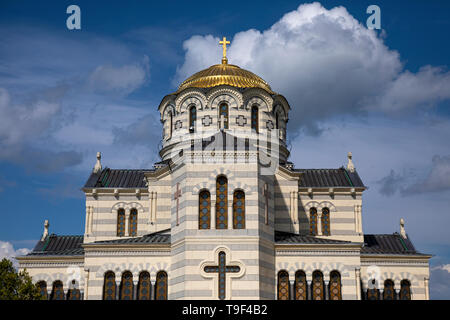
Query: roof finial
x=224, y=43
x=45, y=234
x=402, y=228
x=350, y=165
x=98, y=165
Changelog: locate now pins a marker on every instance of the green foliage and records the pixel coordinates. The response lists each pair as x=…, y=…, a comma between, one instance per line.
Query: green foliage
x=16, y=285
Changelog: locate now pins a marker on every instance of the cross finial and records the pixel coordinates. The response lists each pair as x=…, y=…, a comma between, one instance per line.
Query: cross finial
x=224, y=43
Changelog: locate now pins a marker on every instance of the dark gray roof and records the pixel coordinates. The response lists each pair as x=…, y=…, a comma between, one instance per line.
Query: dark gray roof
x=328, y=178
x=388, y=244
x=59, y=245
x=153, y=238
x=117, y=178
x=292, y=238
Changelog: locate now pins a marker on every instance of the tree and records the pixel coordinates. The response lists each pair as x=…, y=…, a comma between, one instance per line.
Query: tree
x=16, y=285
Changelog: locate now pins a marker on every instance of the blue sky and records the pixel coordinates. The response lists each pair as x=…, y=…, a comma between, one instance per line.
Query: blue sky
x=64, y=95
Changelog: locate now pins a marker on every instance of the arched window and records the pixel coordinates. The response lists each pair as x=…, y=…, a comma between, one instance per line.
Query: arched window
x=57, y=291
x=255, y=118
x=204, y=210
x=109, y=286
x=301, y=291
x=223, y=111
x=161, y=286
x=133, y=225
x=335, y=286
x=283, y=285
x=74, y=293
x=221, y=203
x=325, y=221
x=405, y=290
x=388, y=292
x=372, y=292
x=126, y=286
x=144, y=286
x=317, y=285
x=42, y=286
x=121, y=222
x=192, y=118
x=239, y=209
x=313, y=221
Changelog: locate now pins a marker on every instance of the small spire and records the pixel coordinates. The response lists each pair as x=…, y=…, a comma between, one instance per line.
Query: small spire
x=402, y=228
x=98, y=164
x=350, y=165
x=45, y=234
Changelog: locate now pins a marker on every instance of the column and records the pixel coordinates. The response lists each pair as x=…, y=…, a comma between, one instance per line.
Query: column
x=118, y=286
x=326, y=289
x=291, y=290
x=364, y=291
x=153, y=290
x=308, y=289
x=319, y=222
x=427, y=289
x=150, y=218
x=127, y=218
x=358, y=283
x=381, y=294
x=397, y=294
x=213, y=213
x=135, y=285
x=87, y=220
x=86, y=282
x=49, y=293
x=230, y=212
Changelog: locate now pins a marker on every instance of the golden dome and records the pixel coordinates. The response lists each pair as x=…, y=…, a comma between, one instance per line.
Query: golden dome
x=224, y=74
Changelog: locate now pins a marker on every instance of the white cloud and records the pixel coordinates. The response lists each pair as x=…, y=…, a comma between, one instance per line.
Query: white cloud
x=311, y=51
x=440, y=282
x=7, y=251
x=123, y=80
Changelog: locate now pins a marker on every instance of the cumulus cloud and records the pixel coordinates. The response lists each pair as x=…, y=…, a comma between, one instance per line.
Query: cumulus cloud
x=437, y=180
x=123, y=80
x=7, y=251
x=141, y=132
x=22, y=124
x=440, y=282
x=312, y=51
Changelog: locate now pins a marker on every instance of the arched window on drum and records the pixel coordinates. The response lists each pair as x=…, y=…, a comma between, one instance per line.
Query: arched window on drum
x=255, y=118
x=192, y=118
x=204, y=210
x=239, y=210
x=222, y=203
x=223, y=115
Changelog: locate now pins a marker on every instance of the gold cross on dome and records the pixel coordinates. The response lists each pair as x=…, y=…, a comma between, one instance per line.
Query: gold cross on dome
x=224, y=43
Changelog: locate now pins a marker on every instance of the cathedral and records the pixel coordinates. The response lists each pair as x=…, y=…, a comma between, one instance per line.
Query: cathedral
x=226, y=215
